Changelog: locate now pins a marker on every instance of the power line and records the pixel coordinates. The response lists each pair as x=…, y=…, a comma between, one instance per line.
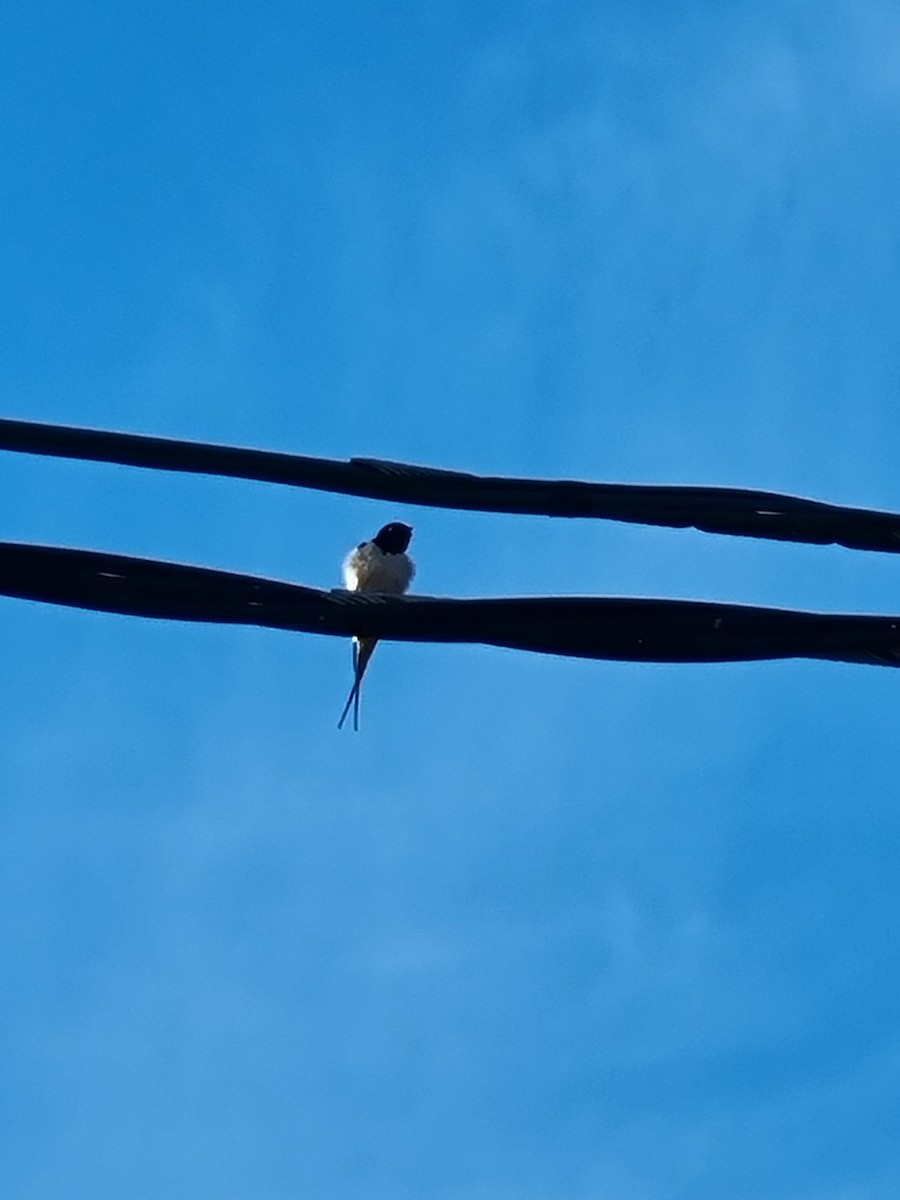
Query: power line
x=675, y=631
x=720, y=510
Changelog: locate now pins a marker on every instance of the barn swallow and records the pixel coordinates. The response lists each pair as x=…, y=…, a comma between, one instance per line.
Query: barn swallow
x=381, y=565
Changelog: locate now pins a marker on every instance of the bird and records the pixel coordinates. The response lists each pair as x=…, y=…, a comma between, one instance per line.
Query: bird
x=379, y=566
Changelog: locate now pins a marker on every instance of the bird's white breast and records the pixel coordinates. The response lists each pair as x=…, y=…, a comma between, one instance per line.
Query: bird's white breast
x=369, y=569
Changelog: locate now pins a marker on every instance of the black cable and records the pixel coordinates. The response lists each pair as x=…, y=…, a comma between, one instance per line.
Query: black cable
x=734, y=511
x=585, y=627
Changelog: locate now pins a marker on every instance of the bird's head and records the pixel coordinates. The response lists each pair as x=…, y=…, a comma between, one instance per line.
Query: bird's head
x=393, y=538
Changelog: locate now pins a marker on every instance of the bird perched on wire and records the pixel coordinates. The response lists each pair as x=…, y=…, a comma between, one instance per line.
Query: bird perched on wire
x=381, y=565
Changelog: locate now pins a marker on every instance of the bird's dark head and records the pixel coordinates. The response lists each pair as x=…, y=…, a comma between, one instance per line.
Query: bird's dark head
x=393, y=538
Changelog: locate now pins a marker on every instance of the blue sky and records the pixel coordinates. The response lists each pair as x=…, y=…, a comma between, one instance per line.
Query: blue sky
x=545, y=930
